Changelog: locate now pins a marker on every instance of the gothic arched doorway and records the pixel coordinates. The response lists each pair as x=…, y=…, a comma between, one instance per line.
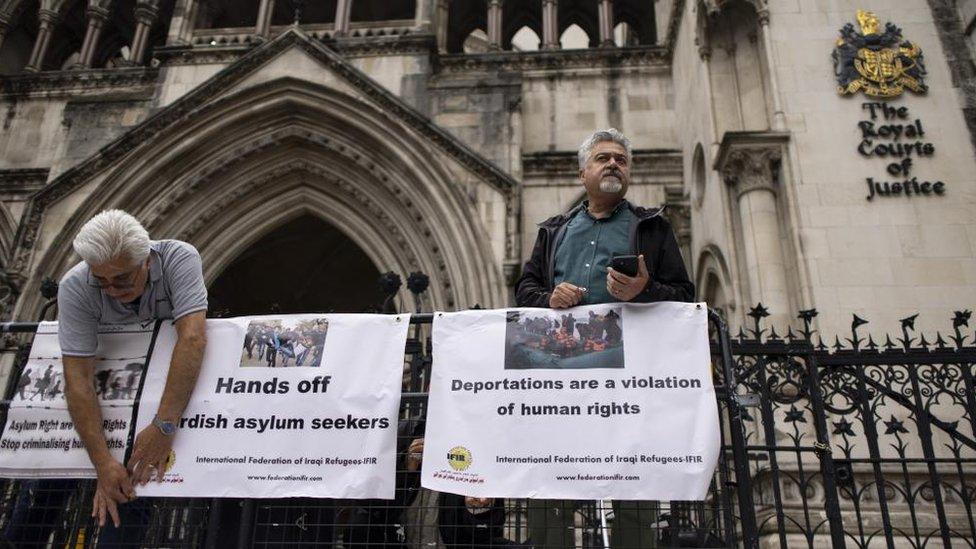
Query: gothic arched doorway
x=304, y=266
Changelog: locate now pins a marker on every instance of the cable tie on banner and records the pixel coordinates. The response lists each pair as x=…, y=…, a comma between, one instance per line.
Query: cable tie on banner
x=821, y=448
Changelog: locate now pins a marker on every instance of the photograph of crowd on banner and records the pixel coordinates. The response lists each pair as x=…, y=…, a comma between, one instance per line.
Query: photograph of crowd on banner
x=118, y=383
x=284, y=343
x=38, y=383
x=564, y=339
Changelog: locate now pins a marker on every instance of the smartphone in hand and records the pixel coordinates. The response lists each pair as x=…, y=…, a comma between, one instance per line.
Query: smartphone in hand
x=626, y=264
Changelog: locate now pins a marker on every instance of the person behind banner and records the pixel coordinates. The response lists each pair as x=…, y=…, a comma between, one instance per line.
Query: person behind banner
x=467, y=522
x=124, y=277
x=570, y=266
x=378, y=523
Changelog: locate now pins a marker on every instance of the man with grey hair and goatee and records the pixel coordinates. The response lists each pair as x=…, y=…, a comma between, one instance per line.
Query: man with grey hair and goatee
x=124, y=278
x=573, y=264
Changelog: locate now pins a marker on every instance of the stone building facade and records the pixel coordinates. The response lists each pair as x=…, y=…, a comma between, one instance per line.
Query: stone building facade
x=314, y=145
x=304, y=147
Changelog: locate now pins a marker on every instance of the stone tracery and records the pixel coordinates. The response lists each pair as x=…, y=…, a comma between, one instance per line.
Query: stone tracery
x=397, y=185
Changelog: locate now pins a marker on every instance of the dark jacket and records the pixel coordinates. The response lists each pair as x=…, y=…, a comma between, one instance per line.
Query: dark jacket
x=650, y=234
x=378, y=523
x=461, y=529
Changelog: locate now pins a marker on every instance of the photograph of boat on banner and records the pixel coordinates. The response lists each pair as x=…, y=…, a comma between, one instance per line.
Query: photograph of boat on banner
x=564, y=339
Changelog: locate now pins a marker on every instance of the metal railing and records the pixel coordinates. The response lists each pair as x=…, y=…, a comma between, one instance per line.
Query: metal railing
x=857, y=445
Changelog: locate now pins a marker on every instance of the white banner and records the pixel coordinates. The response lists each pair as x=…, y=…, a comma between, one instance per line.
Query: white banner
x=296, y=405
x=39, y=438
x=286, y=406
x=606, y=401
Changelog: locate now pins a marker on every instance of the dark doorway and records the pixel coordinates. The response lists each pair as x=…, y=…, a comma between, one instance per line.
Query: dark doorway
x=303, y=266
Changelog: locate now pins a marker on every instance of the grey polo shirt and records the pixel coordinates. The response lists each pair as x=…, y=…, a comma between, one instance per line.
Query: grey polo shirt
x=174, y=289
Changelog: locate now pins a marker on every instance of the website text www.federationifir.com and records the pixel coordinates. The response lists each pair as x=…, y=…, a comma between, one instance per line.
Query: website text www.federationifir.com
x=300, y=478
x=580, y=476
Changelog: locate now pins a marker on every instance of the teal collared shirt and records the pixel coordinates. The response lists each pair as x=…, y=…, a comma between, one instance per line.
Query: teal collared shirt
x=584, y=252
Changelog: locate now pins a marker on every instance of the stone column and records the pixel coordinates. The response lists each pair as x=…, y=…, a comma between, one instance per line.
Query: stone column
x=494, y=25
x=182, y=24
x=443, y=7
x=705, y=53
x=146, y=14
x=97, y=16
x=550, y=25
x=265, y=12
x=779, y=118
x=423, y=16
x=749, y=171
x=48, y=19
x=343, y=13
x=605, y=10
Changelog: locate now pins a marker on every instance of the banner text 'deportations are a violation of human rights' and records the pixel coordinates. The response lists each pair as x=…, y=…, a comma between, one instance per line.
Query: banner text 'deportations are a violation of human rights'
x=605, y=401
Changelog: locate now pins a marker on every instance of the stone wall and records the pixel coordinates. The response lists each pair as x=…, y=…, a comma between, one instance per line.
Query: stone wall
x=889, y=257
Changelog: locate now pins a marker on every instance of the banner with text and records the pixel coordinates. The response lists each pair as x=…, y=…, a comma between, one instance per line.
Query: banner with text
x=604, y=401
x=39, y=438
x=286, y=406
x=293, y=405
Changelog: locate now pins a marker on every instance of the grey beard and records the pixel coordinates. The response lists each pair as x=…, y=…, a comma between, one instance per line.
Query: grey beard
x=611, y=185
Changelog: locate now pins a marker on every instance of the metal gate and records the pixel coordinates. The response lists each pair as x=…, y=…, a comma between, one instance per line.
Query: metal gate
x=859, y=444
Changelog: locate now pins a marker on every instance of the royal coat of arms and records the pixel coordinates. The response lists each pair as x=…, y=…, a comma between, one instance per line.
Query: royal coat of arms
x=881, y=64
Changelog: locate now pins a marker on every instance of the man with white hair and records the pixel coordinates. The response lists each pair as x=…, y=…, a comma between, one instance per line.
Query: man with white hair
x=125, y=277
x=571, y=265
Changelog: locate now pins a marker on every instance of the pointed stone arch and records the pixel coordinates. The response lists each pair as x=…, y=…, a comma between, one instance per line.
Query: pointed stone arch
x=289, y=147
x=713, y=279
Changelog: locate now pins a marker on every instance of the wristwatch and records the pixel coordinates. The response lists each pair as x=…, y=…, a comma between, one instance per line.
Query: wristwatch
x=168, y=428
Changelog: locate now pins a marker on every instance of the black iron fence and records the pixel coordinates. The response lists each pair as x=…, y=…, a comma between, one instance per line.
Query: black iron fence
x=853, y=444
x=860, y=443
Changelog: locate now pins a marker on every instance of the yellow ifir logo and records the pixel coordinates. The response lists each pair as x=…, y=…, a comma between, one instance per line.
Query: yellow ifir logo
x=459, y=457
x=170, y=461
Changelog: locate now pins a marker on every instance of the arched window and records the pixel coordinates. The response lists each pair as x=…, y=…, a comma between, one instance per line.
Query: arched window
x=114, y=46
x=67, y=38
x=581, y=14
x=714, y=281
x=574, y=38
x=524, y=18
x=525, y=39
x=115, y=43
x=639, y=16
x=624, y=36
x=463, y=19
x=19, y=41
x=476, y=42
x=698, y=176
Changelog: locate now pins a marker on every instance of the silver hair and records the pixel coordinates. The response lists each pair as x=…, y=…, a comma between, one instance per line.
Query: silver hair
x=599, y=136
x=111, y=235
